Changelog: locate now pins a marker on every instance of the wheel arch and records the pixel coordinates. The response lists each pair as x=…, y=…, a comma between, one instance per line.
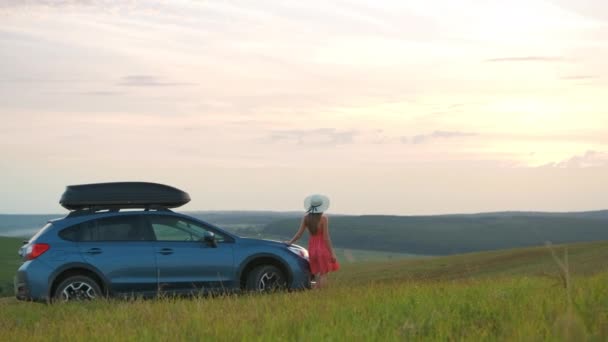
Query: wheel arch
x=73, y=269
x=263, y=259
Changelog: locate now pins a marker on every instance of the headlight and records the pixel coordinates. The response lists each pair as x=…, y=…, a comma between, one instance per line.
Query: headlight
x=299, y=251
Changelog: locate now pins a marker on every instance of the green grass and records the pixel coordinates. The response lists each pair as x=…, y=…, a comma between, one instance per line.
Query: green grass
x=514, y=308
x=505, y=295
x=348, y=256
x=584, y=258
x=9, y=262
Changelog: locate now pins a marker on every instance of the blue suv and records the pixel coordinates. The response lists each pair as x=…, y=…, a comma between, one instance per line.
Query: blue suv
x=123, y=239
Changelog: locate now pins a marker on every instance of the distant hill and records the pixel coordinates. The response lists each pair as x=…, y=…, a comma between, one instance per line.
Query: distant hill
x=453, y=234
x=583, y=259
x=24, y=225
x=426, y=235
x=27, y=225
x=598, y=214
x=242, y=217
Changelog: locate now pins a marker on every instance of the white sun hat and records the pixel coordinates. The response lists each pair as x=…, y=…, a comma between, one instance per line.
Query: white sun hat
x=316, y=203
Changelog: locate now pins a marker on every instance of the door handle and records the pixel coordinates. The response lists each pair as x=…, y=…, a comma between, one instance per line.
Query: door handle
x=166, y=251
x=94, y=251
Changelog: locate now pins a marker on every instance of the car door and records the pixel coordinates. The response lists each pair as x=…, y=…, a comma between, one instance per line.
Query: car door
x=186, y=263
x=122, y=249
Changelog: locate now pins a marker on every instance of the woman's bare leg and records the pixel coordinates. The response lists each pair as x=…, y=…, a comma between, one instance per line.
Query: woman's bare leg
x=316, y=280
x=322, y=281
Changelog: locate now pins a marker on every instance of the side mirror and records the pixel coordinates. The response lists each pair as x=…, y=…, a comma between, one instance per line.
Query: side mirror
x=209, y=238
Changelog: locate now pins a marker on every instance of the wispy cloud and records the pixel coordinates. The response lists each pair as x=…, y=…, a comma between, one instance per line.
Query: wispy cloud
x=597, y=9
x=115, y=4
x=45, y=80
x=322, y=136
x=424, y=138
x=102, y=93
x=578, y=77
x=588, y=159
x=526, y=59
x=149, y=81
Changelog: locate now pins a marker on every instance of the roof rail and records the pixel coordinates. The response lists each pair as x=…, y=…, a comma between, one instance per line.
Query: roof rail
x=90, y=211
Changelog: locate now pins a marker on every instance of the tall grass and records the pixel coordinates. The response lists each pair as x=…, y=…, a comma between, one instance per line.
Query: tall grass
x=503, y=308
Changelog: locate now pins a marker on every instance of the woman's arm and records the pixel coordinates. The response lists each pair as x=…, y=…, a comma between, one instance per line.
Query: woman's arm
x=299, y=233
x=327, y=239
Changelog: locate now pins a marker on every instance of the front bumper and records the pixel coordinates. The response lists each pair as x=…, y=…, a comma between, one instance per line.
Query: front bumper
x=302, y=278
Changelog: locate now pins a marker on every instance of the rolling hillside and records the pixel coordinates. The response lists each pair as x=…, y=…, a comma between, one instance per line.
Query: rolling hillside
x=584, y=259
x=453, y=234
x=421, y=235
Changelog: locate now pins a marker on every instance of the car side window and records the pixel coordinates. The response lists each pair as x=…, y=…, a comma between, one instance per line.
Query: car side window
x=117, y=228
x=81, y=232
x=171, y=228
x=120, y=228
x=71, y=233
x=171, y=233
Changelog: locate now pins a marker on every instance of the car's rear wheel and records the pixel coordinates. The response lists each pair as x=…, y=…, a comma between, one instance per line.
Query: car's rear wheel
x=77, y=288
x=266, y=278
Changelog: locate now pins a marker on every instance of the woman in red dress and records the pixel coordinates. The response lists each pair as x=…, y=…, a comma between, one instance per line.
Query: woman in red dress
x=322, y=257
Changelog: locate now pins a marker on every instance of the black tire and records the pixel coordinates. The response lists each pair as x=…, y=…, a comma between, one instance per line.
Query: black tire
x=266, y=278
x=77, y=288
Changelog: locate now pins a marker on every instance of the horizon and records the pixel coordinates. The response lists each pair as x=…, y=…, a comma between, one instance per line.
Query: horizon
x=295, y=212
x=391, y=107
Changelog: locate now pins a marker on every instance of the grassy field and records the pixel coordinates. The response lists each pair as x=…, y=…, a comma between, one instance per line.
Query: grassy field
x=9, y=262
x=349, y=256
x=505, y=295
x=584, y=259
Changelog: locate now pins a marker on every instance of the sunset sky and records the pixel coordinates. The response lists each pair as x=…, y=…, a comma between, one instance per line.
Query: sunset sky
x=388, y=107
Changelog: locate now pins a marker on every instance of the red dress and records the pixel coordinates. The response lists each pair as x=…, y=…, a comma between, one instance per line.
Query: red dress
x=319, y=254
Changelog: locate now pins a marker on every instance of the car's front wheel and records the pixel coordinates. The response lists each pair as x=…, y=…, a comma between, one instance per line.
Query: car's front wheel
x=77, y=288
x=266, y=278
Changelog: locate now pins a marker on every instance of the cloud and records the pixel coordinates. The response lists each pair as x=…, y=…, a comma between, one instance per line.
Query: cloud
x=322, y=136
x=74, y=3
x=424, y=138
x=148, y=81
x=578, y=77
x=588, y=159
x=101, y=93
x=596, y=9
x=43, y=80
x=526, y=59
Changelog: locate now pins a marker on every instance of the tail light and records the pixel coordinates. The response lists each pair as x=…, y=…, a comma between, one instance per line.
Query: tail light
x=35, y=250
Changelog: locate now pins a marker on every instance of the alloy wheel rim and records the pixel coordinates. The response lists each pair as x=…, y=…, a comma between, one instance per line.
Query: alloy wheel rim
x=269, y=281
x=78, y=291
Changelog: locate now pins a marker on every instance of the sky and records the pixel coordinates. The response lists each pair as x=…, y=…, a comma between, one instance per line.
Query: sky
x=388, y=107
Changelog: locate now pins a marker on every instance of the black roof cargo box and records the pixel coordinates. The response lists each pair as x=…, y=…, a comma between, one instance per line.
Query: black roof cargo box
x=122, y=195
